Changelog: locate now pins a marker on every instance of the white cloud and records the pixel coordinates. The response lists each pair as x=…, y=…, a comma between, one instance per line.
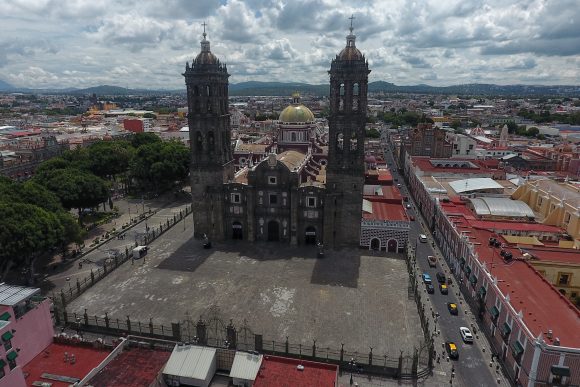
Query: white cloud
x=145, y=43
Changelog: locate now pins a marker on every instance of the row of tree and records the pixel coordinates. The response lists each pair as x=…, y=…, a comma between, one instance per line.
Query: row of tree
x=545, y=116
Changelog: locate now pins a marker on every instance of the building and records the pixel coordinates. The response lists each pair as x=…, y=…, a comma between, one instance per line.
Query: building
x=463, y=145
x=293, y=194
x=558, y=204
x=427, y=140
x=25, y=330
x=282, y=371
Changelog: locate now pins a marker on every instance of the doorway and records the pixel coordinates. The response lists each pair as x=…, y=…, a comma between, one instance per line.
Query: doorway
x=375, y=244
x=273, y=231
x=237, y=231
x=392, y=245
x=310, y=235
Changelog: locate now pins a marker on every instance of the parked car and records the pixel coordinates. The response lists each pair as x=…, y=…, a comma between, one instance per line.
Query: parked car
x=423, y=238
x=426, y=278
x=452, y=308
x=443, y=289
x=441, y=277
x=408, y=206
x=430, y=287
x=452, y=350
x=466, y=335
x=411, y=217
x=432, y=261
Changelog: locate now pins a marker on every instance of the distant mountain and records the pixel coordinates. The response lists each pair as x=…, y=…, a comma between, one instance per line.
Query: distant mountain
x=5, y=86
x=275, y=88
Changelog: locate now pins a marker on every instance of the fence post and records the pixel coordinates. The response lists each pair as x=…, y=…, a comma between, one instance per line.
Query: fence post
x=314, y=348
x=258, y=343
x=56, y=315
x=287, y=345
x=106, y=320
x=78, y=287
x=176, y=328
x=128, y=324
x=231, y=335
x=86, y=318
x=400, y=370
x=92, y=277
x=415, y=363
x=105, y=267
x=341, y=352
x=151, y=326
x=63, y=298
x=65, y=316
x=371, y=357
x=201, y=330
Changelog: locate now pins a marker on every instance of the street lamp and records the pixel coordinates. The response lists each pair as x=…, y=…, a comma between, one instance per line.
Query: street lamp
x=352, y=365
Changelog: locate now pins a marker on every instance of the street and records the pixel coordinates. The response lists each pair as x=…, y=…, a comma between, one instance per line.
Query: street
x=473, y=366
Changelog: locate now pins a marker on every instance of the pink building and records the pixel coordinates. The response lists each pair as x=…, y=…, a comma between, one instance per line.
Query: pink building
x=25, y=330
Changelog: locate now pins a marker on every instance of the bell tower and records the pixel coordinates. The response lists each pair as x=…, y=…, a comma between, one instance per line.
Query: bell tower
x=345, y=171
x=209, y=136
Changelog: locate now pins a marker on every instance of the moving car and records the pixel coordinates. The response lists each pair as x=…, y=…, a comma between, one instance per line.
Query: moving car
x=466, y=335
x=432, y=261
x=423, y=238
x=443, y=289
x=452, y=308
x=408, y=206
x=426, y=278
x=430, y=287
x=452, y=350
x=441, y=277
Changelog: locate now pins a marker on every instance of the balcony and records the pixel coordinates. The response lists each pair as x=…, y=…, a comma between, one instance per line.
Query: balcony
x=517, y=351
x=505, y=331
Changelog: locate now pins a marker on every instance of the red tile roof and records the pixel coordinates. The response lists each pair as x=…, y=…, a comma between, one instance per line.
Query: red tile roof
x=386, y=211
x=390, y=194
x=282, y=372
x=542, y=306
x=134, y=367
x=51, y=361
x=516, y=226
x=553, y=254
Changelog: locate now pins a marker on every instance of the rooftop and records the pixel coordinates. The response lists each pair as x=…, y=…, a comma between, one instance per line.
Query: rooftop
x=292, y=159
x=506, y=207
x=52, y=361
x=375, y=210
x=12, y=295
x=134, y=367
x=474, y=184
x=282, y=372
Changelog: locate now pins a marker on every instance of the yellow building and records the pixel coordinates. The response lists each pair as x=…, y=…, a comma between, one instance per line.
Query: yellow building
x=556, y=204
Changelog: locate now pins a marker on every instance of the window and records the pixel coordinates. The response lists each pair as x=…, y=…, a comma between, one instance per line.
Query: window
x=8, y=345
x=310, y=201
x=567, y=218
x=236, y=198
x=470, y=146
x=272, y=180
x=564, y=279
x=273, y=199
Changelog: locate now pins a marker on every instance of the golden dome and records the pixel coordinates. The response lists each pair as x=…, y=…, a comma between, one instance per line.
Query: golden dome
x=350, y=52
x=296, y=112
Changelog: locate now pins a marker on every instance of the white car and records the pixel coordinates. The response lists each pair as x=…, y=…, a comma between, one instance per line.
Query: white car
x=423, y=238
x=466, y=335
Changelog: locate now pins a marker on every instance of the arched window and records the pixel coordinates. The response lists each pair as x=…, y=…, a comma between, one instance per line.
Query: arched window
x=355, y=90
x=208, y=105
x=353, y=141
x=198, y=141
x=342, y=89
x=210, y=142
x=207, y=90
x=339, y=141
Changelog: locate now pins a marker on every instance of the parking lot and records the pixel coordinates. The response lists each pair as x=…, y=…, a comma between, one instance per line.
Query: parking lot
x=347, y=297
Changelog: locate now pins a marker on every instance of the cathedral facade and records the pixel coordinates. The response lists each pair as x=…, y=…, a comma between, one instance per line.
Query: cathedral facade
x=303, y=192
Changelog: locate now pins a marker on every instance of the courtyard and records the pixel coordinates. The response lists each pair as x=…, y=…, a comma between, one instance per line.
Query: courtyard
x=279, y=291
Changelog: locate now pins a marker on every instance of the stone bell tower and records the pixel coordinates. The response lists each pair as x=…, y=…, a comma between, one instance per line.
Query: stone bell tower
x=209, y=135
x=345, y=171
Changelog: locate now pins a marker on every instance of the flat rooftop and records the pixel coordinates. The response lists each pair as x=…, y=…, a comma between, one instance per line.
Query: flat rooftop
x=51, y=361
x=283, y=372
x=134, y=367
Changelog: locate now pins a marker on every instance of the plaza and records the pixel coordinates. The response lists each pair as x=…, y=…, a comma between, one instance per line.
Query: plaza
x=279, y=291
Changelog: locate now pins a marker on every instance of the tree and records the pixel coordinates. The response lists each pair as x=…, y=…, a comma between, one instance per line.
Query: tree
x=109, y=158
x=455, y=124
x=144, y=138
x=77, y=189
x=533, y=132
x=149, y=115
x=372, y=133
x=512, y=126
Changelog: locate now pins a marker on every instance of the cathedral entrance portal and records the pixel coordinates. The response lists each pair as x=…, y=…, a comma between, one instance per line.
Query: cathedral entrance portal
x=273, y=231
x=310, y=236
x=237, y=231
x=392, y=245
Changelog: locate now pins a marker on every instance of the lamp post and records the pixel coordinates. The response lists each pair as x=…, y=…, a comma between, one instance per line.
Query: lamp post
x=352, y=365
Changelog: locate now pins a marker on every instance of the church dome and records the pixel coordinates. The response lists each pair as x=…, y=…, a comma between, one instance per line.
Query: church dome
x=296, y=112
x=350, y=52
x=206, y=57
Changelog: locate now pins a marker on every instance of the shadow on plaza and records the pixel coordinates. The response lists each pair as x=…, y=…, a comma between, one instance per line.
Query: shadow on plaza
x=337, y=268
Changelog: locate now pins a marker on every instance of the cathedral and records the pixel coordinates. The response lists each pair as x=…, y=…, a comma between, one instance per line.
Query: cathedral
x=302, y=192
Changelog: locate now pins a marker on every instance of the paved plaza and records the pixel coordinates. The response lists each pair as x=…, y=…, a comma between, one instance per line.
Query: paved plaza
x=347, y=297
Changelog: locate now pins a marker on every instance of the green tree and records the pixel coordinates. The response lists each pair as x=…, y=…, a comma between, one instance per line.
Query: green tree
x=109, y=158
x=533, y=131
x=149, y=115
x=512, y=127
x=372, y=133
x=144, y=138
x=455, y=124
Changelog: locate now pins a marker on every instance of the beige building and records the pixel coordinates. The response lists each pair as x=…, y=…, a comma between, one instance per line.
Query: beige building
x=565, y=276
x=556, y=204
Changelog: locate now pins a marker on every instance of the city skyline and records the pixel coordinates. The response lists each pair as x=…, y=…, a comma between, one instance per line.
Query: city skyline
x=48, y=44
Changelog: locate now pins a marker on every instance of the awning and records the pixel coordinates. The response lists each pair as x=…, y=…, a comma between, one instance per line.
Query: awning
x=494, y=311
x=560, y=370
x=473, y=279
x=517, y=349
x=505, y=329
x=482, y=292
x=5, y=316
x=11, y=355
x=7, y=336
x=468, y=270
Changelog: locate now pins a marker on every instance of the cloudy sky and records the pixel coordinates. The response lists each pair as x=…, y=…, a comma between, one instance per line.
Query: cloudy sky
x=145, y=43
